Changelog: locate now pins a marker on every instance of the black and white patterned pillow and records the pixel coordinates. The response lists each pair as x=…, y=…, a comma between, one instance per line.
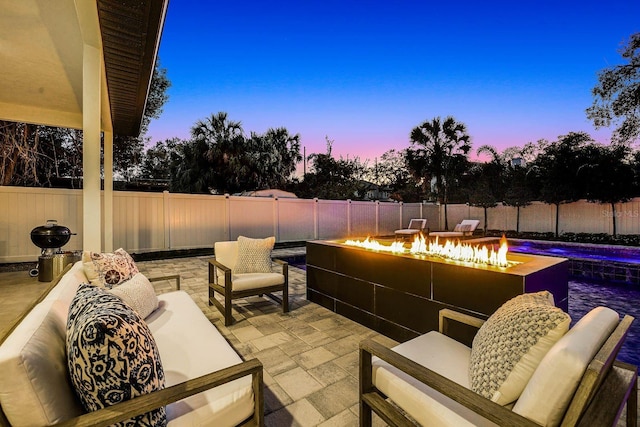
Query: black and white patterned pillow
x=112, y=356
x=254, y=255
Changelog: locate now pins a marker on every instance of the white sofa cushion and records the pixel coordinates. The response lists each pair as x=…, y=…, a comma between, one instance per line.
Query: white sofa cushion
x=190, y=346
x=138, y=293
x=547, y=395
x=420, y=401
x=67, y=287
x=111, y=354
x=511, y=343
x=254, y=255
x=35, y=389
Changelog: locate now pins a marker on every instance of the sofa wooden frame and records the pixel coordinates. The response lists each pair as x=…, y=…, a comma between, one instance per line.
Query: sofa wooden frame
x=605, y=388
x=145, y=403
x=229, y=294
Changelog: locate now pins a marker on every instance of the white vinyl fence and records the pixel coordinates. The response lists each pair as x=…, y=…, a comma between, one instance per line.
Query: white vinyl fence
x=145, y=222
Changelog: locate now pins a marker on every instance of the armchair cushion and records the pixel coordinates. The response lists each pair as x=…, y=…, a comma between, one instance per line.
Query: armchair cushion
x=108, y=269
x=139, y=294
x=509, y=346
x=254, y=255
x=248, y=281
x=420, y=401
x=112, y=355
x=550, y=389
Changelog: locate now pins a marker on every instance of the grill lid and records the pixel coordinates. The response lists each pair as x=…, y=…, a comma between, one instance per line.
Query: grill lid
x=50, y=235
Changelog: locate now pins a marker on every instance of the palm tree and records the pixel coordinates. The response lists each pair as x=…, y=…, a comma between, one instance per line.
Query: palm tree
x=441, y=149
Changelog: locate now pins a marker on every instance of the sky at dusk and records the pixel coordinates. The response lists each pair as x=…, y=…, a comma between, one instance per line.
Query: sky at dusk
x=364, y=73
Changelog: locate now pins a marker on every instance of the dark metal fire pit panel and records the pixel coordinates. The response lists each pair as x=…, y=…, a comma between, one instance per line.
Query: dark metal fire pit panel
x=398, y=272
x=478, y=290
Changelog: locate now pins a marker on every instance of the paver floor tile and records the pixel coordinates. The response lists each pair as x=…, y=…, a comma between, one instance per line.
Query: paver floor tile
x=298, y=414
x=312, y=358
x=297, y=383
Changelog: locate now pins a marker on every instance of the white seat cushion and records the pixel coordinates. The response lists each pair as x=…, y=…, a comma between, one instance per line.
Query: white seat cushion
x=190, y=346
x=242, y=282
x=546, y=397
x=420, y=401
x=35, y=388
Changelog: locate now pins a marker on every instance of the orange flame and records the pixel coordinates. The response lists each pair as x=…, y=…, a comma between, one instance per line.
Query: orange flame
x=449, y=250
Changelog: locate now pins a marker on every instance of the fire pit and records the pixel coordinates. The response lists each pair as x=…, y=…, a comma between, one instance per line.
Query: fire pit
x=399, y=293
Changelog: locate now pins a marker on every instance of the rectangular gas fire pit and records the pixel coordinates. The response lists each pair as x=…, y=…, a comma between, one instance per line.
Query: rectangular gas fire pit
x=400, y=295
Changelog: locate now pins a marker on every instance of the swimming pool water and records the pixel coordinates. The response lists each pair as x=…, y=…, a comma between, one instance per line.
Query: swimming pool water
x=611, y=253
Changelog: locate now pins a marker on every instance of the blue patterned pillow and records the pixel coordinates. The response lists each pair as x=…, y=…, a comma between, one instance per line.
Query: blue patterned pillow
x=112, y=355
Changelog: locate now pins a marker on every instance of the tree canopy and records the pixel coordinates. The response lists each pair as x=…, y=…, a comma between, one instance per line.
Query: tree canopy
x=617, y=95
x=438, y=151
x=220, y=159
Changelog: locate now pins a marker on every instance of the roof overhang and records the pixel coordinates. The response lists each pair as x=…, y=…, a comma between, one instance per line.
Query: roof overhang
x=41, y=65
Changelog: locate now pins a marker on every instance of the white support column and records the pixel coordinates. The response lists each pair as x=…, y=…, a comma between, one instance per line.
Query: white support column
x=108, y=192
x=91, y=206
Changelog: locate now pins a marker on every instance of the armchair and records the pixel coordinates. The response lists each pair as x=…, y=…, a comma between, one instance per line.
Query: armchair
x=424, y=380
x=231, y=279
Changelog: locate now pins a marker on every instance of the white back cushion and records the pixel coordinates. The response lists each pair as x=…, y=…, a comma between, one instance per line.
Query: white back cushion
x=471, y=222
x=34, y=386
x=546, y=397
x=227, y=254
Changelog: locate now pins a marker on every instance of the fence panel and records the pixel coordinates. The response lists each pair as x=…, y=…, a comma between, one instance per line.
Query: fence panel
x=196, y=221
x=332, y=219
x=296, y=220
x=389, y=219
x=22, y=209
x=585, y=217
x=363, y=219
x=251, y=217
x=628, y=217
x=138, y=221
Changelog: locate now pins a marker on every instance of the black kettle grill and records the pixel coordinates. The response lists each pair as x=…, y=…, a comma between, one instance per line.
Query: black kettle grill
x=50, y=238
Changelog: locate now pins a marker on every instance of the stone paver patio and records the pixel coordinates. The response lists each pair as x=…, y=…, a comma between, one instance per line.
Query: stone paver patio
x=310, y=355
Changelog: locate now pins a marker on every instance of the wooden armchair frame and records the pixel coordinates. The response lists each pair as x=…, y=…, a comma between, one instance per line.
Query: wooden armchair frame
x=606, y=386
x=229, y=294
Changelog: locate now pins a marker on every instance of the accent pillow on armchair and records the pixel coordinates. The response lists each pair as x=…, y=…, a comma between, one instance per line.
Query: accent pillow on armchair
x=511, y=343
x=254, y=255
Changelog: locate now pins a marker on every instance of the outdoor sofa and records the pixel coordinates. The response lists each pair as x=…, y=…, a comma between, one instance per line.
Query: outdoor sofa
x=206, y=381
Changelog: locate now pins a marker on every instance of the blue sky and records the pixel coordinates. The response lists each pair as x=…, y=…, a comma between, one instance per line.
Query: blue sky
x=364, y=73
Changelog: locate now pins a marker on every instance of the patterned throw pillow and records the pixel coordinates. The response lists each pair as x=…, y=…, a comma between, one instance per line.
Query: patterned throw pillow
x=510, y=345
x=254, y=255
x=108, y=269
x=112, y=356
x=138, y=293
